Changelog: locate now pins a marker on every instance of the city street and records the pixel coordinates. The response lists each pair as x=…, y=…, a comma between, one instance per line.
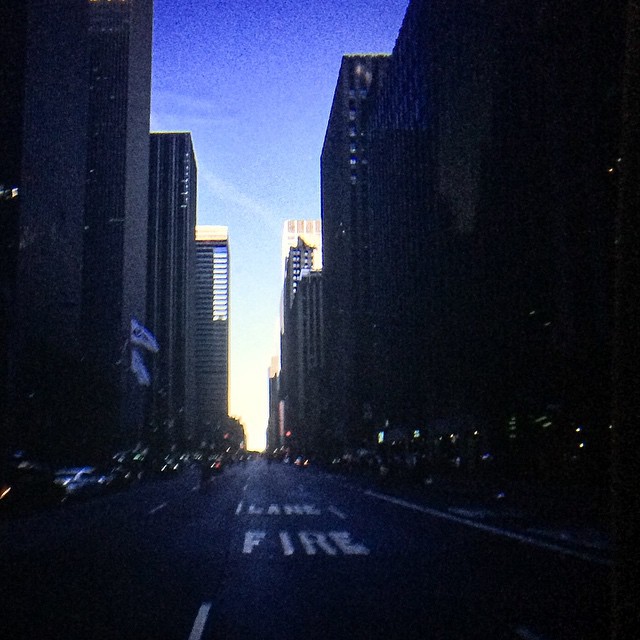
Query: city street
x=273, y=551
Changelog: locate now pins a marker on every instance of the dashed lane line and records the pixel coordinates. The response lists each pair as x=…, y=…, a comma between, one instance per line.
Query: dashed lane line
x=511, y=535
x=156, y=509
x=200, y=621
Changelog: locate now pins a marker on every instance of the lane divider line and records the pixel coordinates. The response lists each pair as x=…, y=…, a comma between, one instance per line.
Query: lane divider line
x=239, y=508
x=156, y=509
x=200, y=621
x=511, y=535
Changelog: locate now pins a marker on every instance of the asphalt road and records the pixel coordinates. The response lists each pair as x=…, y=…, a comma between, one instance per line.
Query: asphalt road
x=275, y=552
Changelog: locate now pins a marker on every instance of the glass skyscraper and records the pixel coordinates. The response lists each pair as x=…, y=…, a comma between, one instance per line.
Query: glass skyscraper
x=212, y=329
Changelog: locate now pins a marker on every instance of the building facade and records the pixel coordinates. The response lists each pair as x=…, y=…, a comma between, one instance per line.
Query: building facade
x=170, y=295
x=212, y=330
x=83, y=221
x=274, y=436
x=493, y=163
x=302, y=347
x=310, y=231
x=347, y=246
x=13, y=29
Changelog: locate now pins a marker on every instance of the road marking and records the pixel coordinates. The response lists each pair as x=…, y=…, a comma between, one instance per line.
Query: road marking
x=278, y=510
x=287, y=545
x=493, y=530
x=343, y=541
x=300, y=510
x=201, y=620
x=252, y=539
x=245, y=487
x=239, y=508
x=195, y=488
x=332, y=543
x=160, y=506
x=310, y=539
x=338, y=513
x=527, y=634
x=470, y=513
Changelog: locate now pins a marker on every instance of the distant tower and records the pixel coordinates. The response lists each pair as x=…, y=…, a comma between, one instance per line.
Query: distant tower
x=310, y=231
x=301, y=343
x=171, y=259
x=83, y=222
x=212, y=328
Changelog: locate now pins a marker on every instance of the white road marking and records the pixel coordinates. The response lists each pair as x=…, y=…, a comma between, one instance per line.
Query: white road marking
x=239, y=508
x=245, y=487
x=195, y=488
x=527, y=634
x=252, y=539
x=338, y=513
x=156, y=509
x=287, y=545
x=470, y=513
x=489, y=529
x=201, y=620
x=287, y=509
x=310, y=539
x=343, y=541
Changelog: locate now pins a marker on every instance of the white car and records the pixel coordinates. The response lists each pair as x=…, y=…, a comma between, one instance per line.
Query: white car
x=81, y=481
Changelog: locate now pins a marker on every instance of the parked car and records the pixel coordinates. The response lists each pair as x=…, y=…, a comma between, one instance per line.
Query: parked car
x=81, y=482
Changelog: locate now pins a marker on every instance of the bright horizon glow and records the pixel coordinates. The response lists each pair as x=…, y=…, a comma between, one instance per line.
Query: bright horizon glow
x=253, y=82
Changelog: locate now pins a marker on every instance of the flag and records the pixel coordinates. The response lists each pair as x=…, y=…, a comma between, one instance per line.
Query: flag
x=142, y=337
x=139, y=370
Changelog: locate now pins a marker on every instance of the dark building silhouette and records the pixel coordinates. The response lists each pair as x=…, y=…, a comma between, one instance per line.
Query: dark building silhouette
x=302, y=349
x=83, y=218
x=274, y=437
x=212, y=331
x=346, y=247
x=170, y=295
x=492, y=176
x=13, y=27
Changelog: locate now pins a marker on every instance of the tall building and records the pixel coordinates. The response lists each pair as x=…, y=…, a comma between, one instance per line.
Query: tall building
x=346, y=246
x=83, y=222
x=492, y=177
x=170, y=294
x=212, y=330
x=13, y=26
x=301, y=345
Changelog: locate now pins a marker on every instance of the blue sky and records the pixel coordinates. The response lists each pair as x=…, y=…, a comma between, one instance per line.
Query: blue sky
x=253, y=81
